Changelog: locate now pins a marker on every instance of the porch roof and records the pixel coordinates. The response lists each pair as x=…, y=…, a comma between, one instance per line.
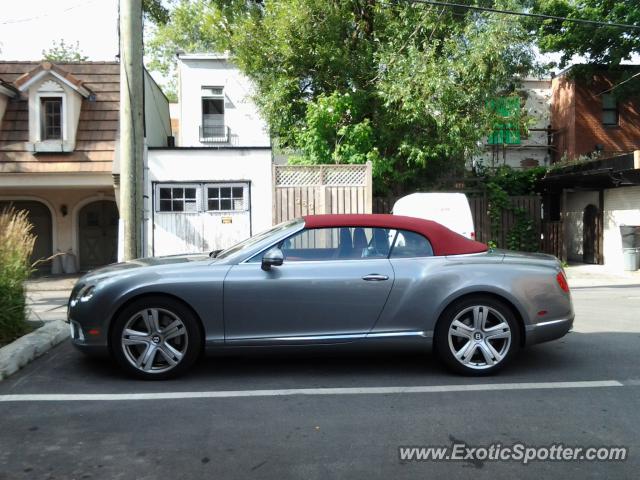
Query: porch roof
x=592, y=179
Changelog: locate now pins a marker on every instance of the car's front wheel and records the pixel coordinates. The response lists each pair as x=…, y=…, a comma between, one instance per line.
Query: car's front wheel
x=155, y=338
x=477, y=336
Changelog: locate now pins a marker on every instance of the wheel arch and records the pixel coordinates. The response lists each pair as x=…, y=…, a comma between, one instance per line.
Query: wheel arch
x=141, y=295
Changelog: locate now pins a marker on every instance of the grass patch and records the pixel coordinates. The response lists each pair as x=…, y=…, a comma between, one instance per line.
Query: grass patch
x=16, y=245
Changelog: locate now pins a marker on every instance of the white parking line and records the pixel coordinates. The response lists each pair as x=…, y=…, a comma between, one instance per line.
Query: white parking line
x=63, y=397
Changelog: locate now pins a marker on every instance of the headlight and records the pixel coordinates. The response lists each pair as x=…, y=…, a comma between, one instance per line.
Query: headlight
x=83, y=295
x=87, y=293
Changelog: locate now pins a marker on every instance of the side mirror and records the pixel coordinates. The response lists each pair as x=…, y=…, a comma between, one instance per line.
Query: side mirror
x=273, y=258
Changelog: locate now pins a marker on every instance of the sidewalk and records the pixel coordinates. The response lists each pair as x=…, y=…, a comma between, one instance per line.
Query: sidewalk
x=46, y=310
x=584, y=275
x=47, y=297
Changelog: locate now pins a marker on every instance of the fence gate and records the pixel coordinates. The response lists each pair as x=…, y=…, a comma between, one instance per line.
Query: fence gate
x=317, y=189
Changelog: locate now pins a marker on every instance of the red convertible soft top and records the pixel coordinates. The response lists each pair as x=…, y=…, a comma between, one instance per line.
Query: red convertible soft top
x=443, y=240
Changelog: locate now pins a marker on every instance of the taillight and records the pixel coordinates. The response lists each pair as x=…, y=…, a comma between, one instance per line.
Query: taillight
x=562, y=282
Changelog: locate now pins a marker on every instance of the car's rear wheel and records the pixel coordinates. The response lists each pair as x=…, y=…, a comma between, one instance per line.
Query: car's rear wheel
x=477, y=335
x=155, y=338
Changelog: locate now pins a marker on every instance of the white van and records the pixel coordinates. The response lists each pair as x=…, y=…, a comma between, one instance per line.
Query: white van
x=449, y=209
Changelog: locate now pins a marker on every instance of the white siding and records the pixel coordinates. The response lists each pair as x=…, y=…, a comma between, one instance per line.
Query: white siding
x=156, y=113
x=241, y=114
x=201, y=166
x=621, y=207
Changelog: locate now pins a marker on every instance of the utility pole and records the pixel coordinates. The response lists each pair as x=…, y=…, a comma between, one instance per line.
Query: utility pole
x=131, y=126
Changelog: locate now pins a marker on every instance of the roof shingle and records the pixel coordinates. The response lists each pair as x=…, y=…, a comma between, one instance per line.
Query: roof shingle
x=97, y=128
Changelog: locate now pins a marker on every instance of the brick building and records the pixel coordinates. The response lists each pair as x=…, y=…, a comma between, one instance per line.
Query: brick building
x=586, y=116
x=589, y=201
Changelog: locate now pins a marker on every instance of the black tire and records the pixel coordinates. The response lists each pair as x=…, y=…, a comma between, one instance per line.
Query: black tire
x=477, y=355
x=187, y=339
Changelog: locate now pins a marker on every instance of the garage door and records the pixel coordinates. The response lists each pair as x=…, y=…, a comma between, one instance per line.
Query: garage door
x=40, y=217
x=98, y=234
x=200, y=217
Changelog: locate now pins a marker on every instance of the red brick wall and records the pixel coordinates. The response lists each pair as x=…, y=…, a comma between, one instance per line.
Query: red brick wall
x=589, y=129
x=577, y=115
x=563, y=117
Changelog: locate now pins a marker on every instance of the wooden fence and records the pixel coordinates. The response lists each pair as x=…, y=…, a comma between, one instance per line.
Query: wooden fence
x=316, y=189
x=552, y=238
x=531, y=208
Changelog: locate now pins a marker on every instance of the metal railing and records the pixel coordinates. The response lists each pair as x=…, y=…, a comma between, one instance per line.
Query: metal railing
x=215, y=134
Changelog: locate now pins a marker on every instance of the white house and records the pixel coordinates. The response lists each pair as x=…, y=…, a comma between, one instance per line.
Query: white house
x=214, y=187
x=519, y=150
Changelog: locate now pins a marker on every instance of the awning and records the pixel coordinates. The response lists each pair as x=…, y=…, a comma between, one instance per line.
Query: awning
x=590, y=179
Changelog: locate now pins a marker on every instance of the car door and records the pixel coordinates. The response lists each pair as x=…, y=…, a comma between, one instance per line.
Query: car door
x=331, y=287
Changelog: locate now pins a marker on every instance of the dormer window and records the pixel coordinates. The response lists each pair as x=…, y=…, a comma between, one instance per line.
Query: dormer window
x=55, y=99
x=51, y=118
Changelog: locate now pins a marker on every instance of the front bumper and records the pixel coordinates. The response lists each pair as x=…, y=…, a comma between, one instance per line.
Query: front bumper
x=85, y=342
x=547, y=331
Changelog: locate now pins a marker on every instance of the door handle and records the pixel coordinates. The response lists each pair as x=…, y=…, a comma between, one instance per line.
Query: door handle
x=374, y=277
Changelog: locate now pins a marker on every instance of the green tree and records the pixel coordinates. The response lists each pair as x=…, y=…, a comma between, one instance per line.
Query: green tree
x=188, y=26
x=64, y=52
x=191, y=26
x=156, y=11
x=404, y=86
x=345, y=81
x=598, y=44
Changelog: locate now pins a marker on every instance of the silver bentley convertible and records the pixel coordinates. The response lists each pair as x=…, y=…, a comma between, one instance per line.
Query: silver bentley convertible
x=325, y=280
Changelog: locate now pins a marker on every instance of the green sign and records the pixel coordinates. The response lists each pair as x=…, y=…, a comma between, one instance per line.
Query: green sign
x=506, y=132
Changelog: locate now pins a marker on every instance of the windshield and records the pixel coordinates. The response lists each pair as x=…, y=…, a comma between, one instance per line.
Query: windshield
x=251, y=241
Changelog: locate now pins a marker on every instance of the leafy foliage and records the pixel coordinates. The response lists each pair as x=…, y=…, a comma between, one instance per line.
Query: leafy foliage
x=331, y=136
x=346, y=81
x=599, y=44
x=420, y=78
x=514, y=181
x=64, y=52
x=155, y=11
x=190, y=26
x=16, y=245
x=503, y=183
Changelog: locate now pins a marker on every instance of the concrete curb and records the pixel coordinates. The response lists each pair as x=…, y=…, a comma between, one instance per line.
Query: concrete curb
x=28, y=347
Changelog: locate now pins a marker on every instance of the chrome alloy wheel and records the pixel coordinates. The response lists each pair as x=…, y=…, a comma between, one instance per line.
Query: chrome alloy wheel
x=479, y=337
x=154, y=340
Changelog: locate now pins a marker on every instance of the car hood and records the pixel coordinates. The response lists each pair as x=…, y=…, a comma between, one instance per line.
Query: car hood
x=125, y=268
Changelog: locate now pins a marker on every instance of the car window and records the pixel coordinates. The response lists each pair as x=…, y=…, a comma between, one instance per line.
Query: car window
x=342, y=243
x=410, y=244
x=251, y=241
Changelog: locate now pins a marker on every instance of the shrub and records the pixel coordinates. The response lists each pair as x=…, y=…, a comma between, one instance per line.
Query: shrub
x=16, y=245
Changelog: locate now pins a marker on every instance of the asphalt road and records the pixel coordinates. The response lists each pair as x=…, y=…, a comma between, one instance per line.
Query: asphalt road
x=338, y=435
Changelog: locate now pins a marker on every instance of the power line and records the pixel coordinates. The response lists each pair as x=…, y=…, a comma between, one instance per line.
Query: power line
x=525, y=14
x=620, y=83
x=45, y=15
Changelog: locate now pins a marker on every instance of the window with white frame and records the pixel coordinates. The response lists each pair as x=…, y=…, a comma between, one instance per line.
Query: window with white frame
x=202, y=197
x=177, y=198
x=51, y=118
x=225, y=197
x=212, y=112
